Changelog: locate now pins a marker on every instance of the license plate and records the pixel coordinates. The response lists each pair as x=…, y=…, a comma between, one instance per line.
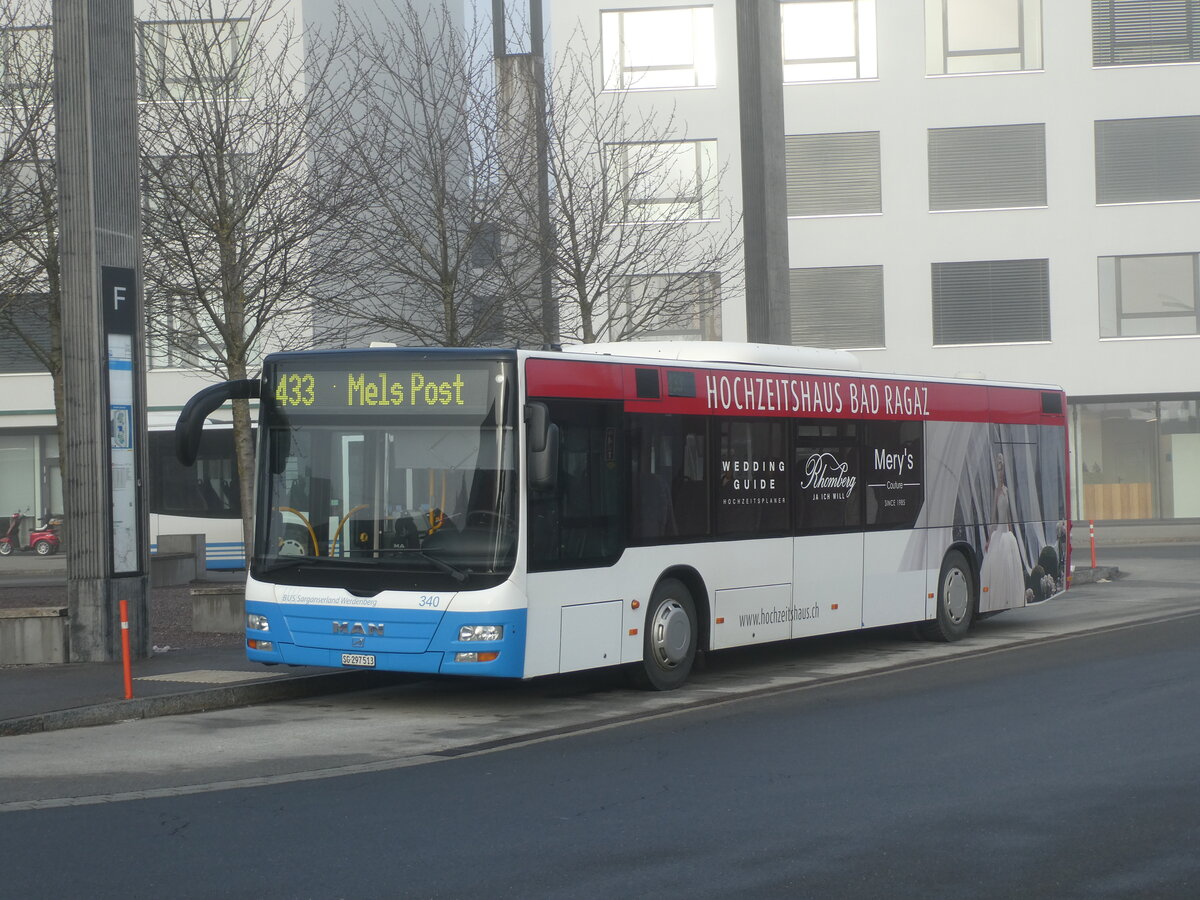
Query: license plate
x=358, y=659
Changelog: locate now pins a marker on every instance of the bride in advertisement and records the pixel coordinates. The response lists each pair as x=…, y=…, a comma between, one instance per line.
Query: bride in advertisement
x=1003, y=572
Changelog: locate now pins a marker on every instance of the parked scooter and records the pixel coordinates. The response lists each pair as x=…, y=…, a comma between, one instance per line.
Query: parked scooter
x=43, y=541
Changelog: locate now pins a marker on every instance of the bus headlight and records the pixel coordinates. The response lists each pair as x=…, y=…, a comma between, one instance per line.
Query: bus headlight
x=255, y=622
x=481, y=633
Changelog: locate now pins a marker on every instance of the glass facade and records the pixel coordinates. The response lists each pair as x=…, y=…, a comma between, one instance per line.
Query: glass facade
x=1136, y=459
x=30, y=480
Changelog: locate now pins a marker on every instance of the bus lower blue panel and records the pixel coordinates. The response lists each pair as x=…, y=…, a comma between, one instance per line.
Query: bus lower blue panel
x=399, y=640
x=225, y=555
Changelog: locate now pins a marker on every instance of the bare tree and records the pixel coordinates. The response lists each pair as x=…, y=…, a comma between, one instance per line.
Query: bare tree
x=30, y=286
x=641, y=242
x=233, y=199
x=421, y=136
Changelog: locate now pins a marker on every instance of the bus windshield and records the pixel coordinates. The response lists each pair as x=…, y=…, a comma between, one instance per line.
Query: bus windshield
x=405, y=495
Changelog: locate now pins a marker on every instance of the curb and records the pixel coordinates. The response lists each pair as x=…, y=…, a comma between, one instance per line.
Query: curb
x=231, y=697
x=1083, y=575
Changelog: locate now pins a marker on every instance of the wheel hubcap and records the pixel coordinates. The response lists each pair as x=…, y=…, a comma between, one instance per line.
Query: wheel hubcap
x=671, y=634
x=954, y=590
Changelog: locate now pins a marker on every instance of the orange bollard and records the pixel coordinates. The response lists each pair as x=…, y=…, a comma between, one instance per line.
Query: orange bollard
x=1092, y=539
x=125, y=649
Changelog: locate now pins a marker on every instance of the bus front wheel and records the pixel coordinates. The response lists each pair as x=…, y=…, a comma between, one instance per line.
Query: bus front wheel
x=955, y=600
x=670, y=639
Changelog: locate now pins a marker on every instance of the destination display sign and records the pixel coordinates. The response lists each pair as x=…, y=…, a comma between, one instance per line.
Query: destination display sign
x=414, y=390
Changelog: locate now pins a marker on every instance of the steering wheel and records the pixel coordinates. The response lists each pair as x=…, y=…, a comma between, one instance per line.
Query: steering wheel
x=291, y=547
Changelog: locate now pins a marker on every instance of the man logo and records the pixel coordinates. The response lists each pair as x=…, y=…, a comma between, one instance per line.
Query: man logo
x=370, y=629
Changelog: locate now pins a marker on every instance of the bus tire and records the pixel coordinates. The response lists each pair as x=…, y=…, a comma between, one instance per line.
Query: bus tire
x=670, y=638
x=955, y=600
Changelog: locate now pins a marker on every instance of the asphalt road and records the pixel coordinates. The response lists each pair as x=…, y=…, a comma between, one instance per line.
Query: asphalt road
x=1066, y=768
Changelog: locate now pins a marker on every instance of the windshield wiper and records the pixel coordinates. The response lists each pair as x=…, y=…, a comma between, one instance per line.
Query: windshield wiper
x=317, y=563
x=453, y=571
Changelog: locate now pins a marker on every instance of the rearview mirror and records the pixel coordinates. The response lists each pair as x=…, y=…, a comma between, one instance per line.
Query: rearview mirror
x=541, y=437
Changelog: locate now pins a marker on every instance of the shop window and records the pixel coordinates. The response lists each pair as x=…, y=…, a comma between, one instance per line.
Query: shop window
x=1137, y=459
x=1118, y=455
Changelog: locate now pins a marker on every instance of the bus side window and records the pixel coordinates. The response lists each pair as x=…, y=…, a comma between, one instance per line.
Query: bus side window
x=894, y=473
x=669, y=491
x=578, y=522
x=827, y=477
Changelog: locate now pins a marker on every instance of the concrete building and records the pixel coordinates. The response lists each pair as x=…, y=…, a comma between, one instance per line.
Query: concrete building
x=999, y=188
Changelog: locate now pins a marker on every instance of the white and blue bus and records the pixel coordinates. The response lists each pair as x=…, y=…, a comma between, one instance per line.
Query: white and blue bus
x=520, y=513
x=202, y=498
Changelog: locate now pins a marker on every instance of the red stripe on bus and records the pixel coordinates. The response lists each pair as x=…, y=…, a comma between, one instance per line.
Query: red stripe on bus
x=783, y=393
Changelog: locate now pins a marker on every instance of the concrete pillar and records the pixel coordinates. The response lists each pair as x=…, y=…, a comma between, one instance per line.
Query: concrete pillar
x=95, y=95
x=764, y=201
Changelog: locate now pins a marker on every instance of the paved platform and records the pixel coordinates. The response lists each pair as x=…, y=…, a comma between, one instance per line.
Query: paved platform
x=50, y=697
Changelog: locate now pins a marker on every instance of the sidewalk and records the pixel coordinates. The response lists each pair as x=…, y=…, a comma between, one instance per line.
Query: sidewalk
x=198, y=672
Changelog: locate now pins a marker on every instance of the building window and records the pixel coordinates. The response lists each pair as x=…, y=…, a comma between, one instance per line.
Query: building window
x=989, y=167
x=673, y=181
x=173, y=335
x=26, y=56
x=969, y=36
x=646, y=49
x=678, y=306
x=991, y=302
x=833, y=174
x=837, y=307
x=1144, y=296
x=1141, y=32
x=24, y=335
x=1137, y=459
x=1147, y=160
x=828, y=40
x=193, y=60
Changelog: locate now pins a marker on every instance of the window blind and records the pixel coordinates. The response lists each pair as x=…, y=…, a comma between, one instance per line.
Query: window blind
x=1138, y=32
x=832, y=174
x=1144, y=160
x=840, y=307
x=987, y=167
x=991, y=301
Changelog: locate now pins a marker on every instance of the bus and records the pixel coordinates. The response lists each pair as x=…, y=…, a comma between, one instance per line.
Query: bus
x=519, y=513
x=202, y=498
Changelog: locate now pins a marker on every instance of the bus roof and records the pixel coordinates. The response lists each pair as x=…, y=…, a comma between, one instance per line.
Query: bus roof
x=780, y=355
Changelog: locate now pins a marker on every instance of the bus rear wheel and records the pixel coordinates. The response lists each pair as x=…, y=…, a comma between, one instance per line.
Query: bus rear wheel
x=670, y=638
x=955, y=601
